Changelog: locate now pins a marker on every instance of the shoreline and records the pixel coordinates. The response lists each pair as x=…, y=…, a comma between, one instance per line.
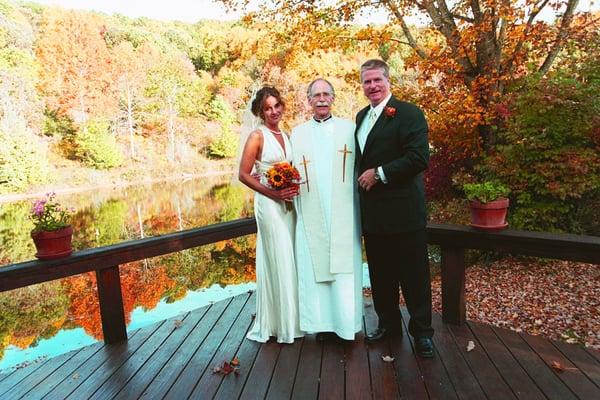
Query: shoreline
x=10, y=198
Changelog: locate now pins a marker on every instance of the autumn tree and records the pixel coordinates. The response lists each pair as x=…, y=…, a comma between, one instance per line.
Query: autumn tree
x=469, y=55
x=77, y=74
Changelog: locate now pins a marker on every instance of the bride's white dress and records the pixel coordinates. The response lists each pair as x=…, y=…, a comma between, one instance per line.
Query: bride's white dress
x=276, y=279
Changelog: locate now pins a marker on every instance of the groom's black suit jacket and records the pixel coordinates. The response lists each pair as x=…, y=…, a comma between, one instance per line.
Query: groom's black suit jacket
x=399, y=144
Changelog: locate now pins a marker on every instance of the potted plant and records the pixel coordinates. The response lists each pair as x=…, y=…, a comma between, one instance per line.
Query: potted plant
x=52, y=231
x=489, y=205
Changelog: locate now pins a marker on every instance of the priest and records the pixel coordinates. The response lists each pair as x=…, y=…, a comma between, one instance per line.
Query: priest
x=328, y=247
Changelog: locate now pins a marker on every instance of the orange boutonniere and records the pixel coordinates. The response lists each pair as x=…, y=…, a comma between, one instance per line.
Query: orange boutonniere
x=389, y=112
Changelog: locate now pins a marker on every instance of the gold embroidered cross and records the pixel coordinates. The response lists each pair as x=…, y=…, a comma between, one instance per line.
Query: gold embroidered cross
x=305, y=163
x=345, y=151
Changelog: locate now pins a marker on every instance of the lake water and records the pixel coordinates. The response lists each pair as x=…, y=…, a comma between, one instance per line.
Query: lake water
x=55, y=317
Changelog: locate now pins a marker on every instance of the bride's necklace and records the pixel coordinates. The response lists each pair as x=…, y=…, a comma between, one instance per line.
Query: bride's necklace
x=274, y=132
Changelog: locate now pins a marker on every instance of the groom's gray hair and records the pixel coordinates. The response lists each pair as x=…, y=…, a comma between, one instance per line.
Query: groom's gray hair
x=375, y=63
x=310, y=86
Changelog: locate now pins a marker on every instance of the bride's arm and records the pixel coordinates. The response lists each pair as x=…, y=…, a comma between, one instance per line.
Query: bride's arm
x=251, y=153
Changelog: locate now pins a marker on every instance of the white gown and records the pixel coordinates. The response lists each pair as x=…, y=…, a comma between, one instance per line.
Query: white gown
x=276, y=279
x=334, y=306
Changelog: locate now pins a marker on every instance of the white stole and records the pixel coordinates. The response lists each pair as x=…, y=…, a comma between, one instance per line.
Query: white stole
x=330, y=247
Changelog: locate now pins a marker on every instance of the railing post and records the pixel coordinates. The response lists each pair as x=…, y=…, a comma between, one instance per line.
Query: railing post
x=111, y=305
x=453, y=285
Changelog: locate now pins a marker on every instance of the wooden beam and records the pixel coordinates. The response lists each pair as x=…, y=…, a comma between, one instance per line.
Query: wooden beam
x=14, y=276
x=111, y=305
x=454, y=309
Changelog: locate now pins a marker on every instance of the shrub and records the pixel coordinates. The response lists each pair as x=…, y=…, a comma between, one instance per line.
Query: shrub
x=23, y=160
x=96, y=147
x=225, y=145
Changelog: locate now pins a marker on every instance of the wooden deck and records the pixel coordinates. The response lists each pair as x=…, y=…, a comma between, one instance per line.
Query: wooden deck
x=174, y=359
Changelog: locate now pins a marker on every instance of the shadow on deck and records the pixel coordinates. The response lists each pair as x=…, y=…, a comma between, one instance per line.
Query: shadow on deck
x=175, y=359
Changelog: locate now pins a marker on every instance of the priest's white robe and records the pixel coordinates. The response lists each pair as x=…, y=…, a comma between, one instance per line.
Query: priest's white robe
x=328, y=246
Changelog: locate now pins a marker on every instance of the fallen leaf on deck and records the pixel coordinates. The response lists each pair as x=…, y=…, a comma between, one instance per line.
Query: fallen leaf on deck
x=470, y=345
x=235, y=362
x=177, y=323
x=216, y=370
x=75, y=376
x=387, y=358
x=558, y=367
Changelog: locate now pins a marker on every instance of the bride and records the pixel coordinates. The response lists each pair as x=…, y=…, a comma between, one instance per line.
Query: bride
x=276, y=280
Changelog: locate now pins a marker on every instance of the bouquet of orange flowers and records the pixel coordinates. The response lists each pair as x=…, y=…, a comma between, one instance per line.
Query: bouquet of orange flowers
x=283, y=175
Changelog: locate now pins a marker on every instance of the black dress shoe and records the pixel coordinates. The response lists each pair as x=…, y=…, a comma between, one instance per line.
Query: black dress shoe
x=425, y=348
x=382, y=333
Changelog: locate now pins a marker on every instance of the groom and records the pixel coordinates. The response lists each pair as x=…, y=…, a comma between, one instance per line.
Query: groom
x=393, y=152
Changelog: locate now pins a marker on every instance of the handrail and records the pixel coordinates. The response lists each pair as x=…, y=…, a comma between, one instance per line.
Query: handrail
x=453, y=239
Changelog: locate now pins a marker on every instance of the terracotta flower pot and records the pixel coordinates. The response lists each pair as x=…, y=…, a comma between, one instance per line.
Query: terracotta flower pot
x=53, y=244
x=490, y=216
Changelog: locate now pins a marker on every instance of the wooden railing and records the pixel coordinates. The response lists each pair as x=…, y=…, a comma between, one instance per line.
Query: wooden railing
x=452, y=239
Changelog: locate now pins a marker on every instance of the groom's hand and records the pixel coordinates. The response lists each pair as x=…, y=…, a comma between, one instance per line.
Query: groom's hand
x=367, y=179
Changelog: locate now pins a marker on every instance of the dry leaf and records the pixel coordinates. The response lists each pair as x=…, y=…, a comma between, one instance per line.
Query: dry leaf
x=557, y=366
x=235, y=362
x=387, y=358
x=216, y=370
x=177, y=323
x=75, y=376
x=470, y=345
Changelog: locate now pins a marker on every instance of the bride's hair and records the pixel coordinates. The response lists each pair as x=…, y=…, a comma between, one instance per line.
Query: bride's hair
x=261, y=96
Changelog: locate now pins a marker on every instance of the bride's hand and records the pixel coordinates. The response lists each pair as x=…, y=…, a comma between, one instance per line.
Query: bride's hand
x=285, y=194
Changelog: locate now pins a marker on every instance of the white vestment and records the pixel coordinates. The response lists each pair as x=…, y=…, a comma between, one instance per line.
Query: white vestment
x=328, y=246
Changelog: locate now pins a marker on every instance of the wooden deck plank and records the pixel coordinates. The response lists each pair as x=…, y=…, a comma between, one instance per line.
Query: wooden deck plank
x=594, y=353
x=463, y=379
x=284, y=375
x=185, y=383
x=116, y=352
x=571, y=376
x=209, y=382
x=332, y=383
x=543, y=377
x=511, y=371
x=246, y=354
x=110, y=363
x=503, y=364
x=482, y=367
x=358, y=382
x=383, y=376
x=582, y=359
x=260, y=375
x=62, y=372
x=185, y=324
x=18, y=375
x=306, y=385
x=40, y=374
x=408, y=373
x=163, y=381
x=437, y=381
x=5, y=375
x=115, y=377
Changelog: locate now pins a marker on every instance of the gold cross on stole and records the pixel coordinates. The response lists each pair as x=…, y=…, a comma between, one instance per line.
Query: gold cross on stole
x=305, y=163
x=345, y=151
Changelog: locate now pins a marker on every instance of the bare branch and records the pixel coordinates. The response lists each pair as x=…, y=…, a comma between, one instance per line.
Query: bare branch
x=534, y=12
x=566, y=20
x=405, y=29
x=463, y=18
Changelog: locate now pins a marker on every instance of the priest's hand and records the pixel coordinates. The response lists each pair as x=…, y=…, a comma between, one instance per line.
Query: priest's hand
x=367, y=180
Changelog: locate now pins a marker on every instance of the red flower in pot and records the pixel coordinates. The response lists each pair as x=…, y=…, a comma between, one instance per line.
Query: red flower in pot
x=52, y=232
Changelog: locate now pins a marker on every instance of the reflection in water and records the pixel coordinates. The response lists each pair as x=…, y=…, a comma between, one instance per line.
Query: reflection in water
x=31, y=315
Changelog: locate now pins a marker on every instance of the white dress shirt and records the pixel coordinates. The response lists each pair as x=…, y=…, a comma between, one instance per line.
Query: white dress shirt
x=367, y=125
